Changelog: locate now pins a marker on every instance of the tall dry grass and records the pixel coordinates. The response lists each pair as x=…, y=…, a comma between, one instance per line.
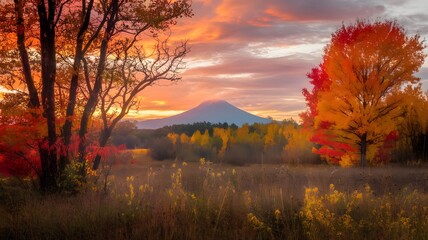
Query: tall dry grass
x=172, y=200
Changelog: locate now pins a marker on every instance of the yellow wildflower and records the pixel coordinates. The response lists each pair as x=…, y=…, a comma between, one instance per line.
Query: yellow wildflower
x=277, y=214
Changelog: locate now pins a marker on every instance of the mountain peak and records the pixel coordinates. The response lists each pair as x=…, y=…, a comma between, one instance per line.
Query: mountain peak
x=213, y=111
x=214, y=102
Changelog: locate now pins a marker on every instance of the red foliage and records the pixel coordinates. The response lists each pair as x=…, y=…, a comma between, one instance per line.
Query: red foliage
x=330, y=146
x=333, y=154
x=326, y=140
x=325, y=125
x=384, y=153
x=350, y=34
x=104, y=152
x=392, y=136
x=20, y=144
x=19, y=154
x=320, y=82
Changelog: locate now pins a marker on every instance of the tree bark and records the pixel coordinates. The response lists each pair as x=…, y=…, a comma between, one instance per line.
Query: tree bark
x=23, y=54
x=363, y=150
x=48, y=153
x=105, y=135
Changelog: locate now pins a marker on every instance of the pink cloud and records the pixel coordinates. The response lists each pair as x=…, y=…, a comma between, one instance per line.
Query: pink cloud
x=238, y=49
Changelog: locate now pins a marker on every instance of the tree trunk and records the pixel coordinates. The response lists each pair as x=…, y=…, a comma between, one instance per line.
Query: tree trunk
x=67, y=133
x=48, y=153
x=49, y=171
x=26, y=68
x=93, y=97
x=363, y=150
x=105, y=135
x=424, y=154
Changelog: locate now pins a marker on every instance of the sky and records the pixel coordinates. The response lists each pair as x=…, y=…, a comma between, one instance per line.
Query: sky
x=255, y=54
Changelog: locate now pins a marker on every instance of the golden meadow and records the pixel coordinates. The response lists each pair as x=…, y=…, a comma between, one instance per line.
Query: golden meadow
x=179, y=200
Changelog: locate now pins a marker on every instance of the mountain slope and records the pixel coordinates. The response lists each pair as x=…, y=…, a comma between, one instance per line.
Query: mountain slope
x=217, y=111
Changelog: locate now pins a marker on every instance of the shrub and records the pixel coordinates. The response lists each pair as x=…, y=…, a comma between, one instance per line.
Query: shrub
x=242, y=154
x=161, y=149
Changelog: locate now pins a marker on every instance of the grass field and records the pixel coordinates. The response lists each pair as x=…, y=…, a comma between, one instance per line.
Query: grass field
x=144, y=199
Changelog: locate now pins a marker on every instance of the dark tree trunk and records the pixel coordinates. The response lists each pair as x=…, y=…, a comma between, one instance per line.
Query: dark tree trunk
x=424, y=150
x=67, y=133
x=107, y=130
x=93, y=96
x=23, y=54
x=105, y=135
x=49, y=172
x=363, y=150
x=48, y=153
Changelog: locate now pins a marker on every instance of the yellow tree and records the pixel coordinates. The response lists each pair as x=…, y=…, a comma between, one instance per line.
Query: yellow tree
x=196, y=137
x=184, y=138
x=298, y=147
x=368, y=64
x=224, y=135
x=205, y=139
x=271, y=137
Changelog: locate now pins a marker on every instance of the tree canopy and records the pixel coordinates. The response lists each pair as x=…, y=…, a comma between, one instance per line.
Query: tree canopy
x=72, y=60
x=356, y=102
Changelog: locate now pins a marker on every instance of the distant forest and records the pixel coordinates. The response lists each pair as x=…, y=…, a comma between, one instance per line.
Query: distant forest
x=276, y=142
x=129, y=135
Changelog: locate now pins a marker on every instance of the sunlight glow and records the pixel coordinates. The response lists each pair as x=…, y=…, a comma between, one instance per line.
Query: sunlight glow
x=236, y=75
x=196, y=63
x=159, y=102
x=294, y=99
x=152, y=114
x=282, y=51
x=5, y=90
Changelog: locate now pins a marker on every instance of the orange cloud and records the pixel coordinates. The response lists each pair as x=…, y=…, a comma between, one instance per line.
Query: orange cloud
x=274, y=12
x=199, y=32
x=231, y=11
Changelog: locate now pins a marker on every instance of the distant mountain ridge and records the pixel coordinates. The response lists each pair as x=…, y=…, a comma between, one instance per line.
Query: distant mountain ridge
x=213, y=111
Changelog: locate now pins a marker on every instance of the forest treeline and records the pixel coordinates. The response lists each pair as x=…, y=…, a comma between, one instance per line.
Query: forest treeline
x=277, y=142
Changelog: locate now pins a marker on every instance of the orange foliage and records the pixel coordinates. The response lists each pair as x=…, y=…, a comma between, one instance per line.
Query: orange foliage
x=356, y=101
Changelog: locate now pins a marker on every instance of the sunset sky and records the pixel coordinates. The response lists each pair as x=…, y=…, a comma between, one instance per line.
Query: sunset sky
x=256, y=53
